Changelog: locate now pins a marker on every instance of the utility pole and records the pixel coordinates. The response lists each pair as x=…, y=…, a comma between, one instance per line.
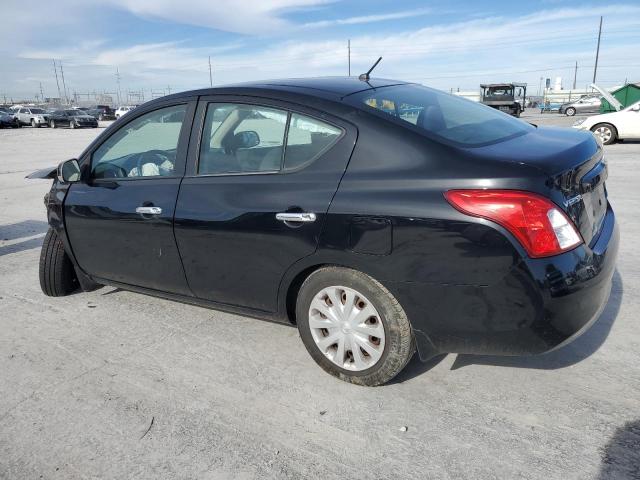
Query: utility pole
x=595, y=67
x=55, y=70
x=540, y=86
x=64, y=85
x=349, y=55
x=575, y=75
x=210, y=75
x=118, y=81
x=169, y=89
x=41, y=92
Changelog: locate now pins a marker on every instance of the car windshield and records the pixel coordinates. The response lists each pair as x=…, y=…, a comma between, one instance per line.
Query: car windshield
x=442, y=116
x=75, y=113
x=37, y=110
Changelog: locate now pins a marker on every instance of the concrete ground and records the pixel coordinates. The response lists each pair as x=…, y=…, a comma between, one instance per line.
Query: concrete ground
x=112, y=384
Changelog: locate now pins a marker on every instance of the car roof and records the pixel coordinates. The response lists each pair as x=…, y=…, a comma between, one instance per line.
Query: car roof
x=330, y=88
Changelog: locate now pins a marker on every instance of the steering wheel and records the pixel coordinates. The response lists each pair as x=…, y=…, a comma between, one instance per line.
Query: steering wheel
x=151, y=156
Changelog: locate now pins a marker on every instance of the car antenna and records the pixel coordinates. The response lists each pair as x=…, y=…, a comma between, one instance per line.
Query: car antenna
x=365, y=76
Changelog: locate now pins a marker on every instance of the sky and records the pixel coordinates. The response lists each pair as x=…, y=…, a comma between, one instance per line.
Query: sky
x=158, y=46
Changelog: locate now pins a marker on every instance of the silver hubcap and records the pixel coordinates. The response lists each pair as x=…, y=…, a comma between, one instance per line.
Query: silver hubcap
x=347, y=328
x=604, y=133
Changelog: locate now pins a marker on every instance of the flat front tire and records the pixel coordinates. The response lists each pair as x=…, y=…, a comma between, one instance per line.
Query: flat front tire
x=57, y=276
x=353, y=327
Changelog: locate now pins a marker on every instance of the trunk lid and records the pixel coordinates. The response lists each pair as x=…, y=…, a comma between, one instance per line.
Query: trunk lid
x=575, y=169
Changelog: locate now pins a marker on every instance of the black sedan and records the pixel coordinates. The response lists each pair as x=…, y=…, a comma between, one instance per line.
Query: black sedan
x=8, y=119
x=72, y=119
x=101, y=112
x=379, y=217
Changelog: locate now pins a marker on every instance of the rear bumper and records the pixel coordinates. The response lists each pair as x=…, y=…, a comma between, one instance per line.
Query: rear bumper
x=539, y=306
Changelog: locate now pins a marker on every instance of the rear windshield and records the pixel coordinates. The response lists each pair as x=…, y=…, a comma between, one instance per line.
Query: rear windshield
x=446, y=117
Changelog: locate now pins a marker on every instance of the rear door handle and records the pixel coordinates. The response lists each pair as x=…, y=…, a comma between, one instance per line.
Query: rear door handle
x=149, y=210
x=296, y=217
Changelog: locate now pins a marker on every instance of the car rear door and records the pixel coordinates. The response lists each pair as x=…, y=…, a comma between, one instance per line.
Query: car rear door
x=119, y=218
x=246, y=214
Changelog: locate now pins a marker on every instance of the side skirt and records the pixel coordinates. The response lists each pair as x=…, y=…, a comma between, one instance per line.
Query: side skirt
x=199, y=302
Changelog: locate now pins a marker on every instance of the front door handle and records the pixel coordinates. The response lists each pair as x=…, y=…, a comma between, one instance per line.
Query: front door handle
x=149, y=210
x=296, y=217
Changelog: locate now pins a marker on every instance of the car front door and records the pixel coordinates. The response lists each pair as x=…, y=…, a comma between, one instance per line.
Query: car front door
x=260, y=178
x=628, y=122
x=119, y=218
x=23, y=115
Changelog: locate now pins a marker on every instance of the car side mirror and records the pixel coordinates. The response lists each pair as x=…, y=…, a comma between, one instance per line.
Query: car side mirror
x=69, y=171
x=246, y=139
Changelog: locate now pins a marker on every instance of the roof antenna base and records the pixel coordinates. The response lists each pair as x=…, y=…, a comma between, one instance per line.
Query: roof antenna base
x=365, y=76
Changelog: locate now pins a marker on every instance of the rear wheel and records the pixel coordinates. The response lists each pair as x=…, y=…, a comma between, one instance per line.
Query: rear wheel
x=570, y=112
x=353, y=327
x=52, y=124
x=606, y=132
x=57, y=276
x=72, y=124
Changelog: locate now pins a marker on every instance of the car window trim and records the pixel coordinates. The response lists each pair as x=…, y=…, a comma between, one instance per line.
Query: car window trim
x=203, y=106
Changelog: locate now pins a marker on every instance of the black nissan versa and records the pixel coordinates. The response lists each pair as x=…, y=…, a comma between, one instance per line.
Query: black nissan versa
x=380, y=217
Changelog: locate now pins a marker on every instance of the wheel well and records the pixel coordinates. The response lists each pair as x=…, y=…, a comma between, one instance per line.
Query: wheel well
x=604, y=123
x=294, y=288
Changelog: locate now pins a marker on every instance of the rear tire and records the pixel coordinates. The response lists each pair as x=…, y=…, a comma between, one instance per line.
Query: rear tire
x=570, y=112
x=57, y=276
x=72, y=124
x=52, y=124
x=398, y=342
x=607, y=132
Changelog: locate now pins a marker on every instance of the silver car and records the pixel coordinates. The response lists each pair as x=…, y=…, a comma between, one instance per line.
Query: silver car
x=585, y=104
x=36, y=117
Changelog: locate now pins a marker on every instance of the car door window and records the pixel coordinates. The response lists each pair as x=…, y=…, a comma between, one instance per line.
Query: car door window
x=144, y=147
x=240, y=138
x=307, y=139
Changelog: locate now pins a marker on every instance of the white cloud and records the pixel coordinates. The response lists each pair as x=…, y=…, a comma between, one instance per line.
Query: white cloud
x=249, y=17
x=370, y=18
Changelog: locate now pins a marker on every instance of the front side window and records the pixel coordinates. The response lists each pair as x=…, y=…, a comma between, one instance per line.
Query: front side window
x=144, y=147
x=240, y=138
x=443, y=116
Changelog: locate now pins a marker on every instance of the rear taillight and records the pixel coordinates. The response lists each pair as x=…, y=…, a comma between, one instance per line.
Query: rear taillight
x=538, y=224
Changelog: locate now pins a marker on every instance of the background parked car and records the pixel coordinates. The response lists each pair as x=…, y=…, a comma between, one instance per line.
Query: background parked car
x=102, y=112
x=72, y=119
x=583, y=105
x=8, y=119
x=613, y=126
x=123, y=110
x=36, y=117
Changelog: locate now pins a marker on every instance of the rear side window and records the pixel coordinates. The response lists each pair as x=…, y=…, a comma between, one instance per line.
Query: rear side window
x=239, y=138
x=243, y=138
x=447, y=117
x=307, y=139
